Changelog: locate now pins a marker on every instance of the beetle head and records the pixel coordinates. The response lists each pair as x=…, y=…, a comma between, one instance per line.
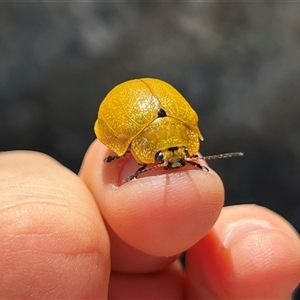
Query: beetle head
x=172, y=157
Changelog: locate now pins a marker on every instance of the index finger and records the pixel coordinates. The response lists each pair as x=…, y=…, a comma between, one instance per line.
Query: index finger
x=160, y=214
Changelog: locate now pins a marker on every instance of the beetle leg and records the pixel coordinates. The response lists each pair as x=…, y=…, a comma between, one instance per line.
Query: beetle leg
x=110, y=158
x=204, y=168
x=140, y=170
x=197, y=155
x=191, y=160
x=144, y=169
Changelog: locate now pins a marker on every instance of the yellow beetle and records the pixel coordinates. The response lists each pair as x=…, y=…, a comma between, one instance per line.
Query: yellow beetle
x=152, y=120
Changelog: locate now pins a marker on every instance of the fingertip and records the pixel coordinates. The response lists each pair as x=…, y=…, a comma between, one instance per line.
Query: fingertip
x=264, y=253
x=163, y=215
x=158, y=214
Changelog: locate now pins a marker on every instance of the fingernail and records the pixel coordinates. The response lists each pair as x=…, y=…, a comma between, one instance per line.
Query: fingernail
x=243, y=228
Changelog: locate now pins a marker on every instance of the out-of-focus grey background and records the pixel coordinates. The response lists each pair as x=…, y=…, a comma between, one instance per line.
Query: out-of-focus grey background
x=238, y=64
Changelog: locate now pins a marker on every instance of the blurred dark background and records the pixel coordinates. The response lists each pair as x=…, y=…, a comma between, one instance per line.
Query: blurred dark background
x=238, y=64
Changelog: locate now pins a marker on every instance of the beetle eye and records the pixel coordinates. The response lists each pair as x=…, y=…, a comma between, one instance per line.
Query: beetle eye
x=159, y=157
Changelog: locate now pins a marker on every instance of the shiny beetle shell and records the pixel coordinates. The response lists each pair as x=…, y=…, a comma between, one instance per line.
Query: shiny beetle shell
x=145, y=116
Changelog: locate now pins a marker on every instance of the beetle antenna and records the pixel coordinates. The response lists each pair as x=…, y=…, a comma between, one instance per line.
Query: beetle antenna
x=224, y=155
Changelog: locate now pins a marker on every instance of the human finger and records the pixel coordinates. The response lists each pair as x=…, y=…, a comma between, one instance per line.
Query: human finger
x=53, y=242
x=164, y=284
x=251, y=253
x=161, y=214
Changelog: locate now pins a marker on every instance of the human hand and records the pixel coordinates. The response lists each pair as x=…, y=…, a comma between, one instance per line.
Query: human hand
x=54, y=242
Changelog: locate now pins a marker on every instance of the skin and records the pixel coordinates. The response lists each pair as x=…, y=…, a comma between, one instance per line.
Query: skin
x=89, y=237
